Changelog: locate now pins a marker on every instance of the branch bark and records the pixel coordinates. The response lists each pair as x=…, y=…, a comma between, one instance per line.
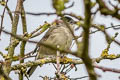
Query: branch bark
x=85, y=53
x=12, y=44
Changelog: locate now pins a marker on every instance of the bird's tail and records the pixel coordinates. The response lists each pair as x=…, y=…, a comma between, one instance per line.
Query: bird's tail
x=31, y=70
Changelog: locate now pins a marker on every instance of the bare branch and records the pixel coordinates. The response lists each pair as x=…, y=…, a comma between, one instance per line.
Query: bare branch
x=1, y=26
x=104, y=69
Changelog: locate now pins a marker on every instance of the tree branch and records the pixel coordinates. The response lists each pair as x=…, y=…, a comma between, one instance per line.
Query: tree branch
x=85, y=53
x=12, y=39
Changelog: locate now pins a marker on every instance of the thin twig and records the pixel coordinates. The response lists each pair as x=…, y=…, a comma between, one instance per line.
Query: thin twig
x=70, y=5
x=51, y=13
x=78, y=78
x=37, y=14
x=117, y=42
x=116, y=27
x=33, y=32
x=54, y=66
x=1, y=27
x=92, y=32
x=58, y=61
x=104, y=69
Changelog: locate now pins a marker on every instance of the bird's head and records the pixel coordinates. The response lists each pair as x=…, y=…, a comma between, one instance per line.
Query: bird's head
x=69, y=20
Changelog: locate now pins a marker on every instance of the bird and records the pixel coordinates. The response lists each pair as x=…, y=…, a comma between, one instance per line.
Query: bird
x=58, y=34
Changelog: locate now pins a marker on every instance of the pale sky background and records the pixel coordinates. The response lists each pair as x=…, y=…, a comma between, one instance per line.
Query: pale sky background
x=97, y=40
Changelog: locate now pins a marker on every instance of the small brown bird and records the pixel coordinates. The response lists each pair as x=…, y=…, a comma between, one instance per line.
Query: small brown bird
x=58, y=34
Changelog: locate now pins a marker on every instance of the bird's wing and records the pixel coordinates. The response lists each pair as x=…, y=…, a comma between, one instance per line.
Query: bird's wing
x=45, y=37
x=48, y=33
